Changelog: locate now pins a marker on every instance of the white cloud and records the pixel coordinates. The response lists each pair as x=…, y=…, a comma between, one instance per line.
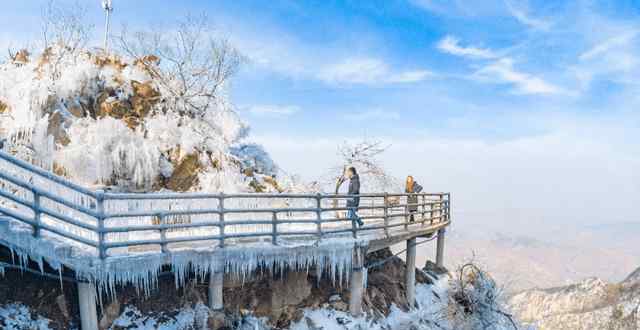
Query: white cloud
x=502, y=71
x=465, y=8
x=618, y=41
x=523, y=17
x=373, y=114
x=451, y=45
x=274, y=110
x=368, y=71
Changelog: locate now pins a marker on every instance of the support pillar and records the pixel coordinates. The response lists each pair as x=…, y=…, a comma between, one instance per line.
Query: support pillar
x=410, y=273
x=440, y=248
x=88, y=308
x=356, y=284
x=216, y=285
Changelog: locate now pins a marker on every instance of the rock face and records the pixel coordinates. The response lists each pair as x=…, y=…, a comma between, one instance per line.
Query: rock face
x=590, y=304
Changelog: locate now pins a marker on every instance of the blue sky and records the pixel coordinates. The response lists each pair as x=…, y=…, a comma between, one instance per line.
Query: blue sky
x=516, y=99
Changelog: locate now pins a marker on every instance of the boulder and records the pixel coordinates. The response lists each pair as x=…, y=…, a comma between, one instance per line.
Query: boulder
x=115, y=108
x=185, y=174
x=110, y=314
x=76, y=109
x=146, y=62
x=61, y=301
x=289, y=291
x=21, y=57
x=144, y=98
x=216, y=321
x=56, y=129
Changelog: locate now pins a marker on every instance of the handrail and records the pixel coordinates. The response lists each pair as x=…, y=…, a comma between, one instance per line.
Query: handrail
x=178, y=218
x=45, y=174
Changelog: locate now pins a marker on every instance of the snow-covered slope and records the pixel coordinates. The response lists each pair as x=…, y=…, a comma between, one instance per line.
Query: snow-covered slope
x=108, y=121
x=590, y=304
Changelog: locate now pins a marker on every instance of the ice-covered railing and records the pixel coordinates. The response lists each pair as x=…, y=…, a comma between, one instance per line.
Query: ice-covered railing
x=114, y=224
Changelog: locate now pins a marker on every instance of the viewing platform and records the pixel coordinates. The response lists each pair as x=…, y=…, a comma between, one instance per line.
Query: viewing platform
x=109, y=238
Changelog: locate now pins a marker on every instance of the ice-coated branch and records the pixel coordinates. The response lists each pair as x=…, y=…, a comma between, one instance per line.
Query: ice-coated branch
x=189, y=62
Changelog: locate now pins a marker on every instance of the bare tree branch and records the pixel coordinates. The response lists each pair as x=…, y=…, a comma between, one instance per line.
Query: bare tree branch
x=191, y=65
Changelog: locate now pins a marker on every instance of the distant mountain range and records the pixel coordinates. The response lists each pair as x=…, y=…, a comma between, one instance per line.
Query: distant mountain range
x=560, y=257
x=589, y=304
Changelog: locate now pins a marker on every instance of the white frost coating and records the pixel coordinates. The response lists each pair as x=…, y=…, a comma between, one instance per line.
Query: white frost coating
x=116, y=152
x=95, y=148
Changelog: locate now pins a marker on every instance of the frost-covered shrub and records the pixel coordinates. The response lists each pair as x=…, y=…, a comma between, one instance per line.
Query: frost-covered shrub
x=475, y=301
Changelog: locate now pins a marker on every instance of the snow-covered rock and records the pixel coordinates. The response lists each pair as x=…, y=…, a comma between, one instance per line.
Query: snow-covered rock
x=108, y=121
x=590, y=304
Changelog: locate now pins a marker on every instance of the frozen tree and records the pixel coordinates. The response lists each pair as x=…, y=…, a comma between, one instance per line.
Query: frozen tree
x=363, y=155
x=66, y=26
x=476, y=301
x=65, y=32
x=189, y=62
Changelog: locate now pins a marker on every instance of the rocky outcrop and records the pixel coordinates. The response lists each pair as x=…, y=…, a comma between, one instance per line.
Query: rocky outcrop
x=590, y=304
x=115, y=124
x=185, y=173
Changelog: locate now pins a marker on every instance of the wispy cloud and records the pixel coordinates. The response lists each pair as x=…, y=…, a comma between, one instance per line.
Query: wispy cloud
x=610, y=44
x=503, y=71
x=273, y=110
x=466, y=8
x=372, y=114
x=451, y=45
x=369, y=71
x=520, y=13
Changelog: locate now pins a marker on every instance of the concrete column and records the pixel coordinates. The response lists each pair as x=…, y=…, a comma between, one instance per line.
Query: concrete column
x=216, y=285
x=88, y=308
x=410, y=274
x=440, y=248
x=356, y=284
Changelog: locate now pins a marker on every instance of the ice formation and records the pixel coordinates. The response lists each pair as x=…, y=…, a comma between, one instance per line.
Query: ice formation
x=107, y=121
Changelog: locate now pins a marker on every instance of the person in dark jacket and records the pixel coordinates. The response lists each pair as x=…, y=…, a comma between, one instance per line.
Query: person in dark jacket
x=412, y=187
x=354, y=189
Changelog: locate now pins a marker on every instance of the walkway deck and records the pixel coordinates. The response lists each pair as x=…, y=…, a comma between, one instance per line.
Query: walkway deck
x=98, y=233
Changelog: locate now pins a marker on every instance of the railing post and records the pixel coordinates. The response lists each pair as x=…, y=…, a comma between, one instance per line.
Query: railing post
x=319, y=215
x=163, y=232
x=430, y=212
x=441, y=207
x=100, y=218
x=354, y=226
x=406, y=213
x=37, y=215
x=386, y=214
x=221, y=218
x=448, y=208
x=424, y=206
x=274, y=228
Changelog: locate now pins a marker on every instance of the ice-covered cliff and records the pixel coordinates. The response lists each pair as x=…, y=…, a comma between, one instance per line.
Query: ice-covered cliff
x=116, y=121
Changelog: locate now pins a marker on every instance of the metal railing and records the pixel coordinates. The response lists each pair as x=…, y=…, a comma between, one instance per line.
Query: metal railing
x=123, y=223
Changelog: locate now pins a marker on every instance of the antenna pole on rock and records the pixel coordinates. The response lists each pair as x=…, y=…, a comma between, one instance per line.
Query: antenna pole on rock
x=107, y=5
